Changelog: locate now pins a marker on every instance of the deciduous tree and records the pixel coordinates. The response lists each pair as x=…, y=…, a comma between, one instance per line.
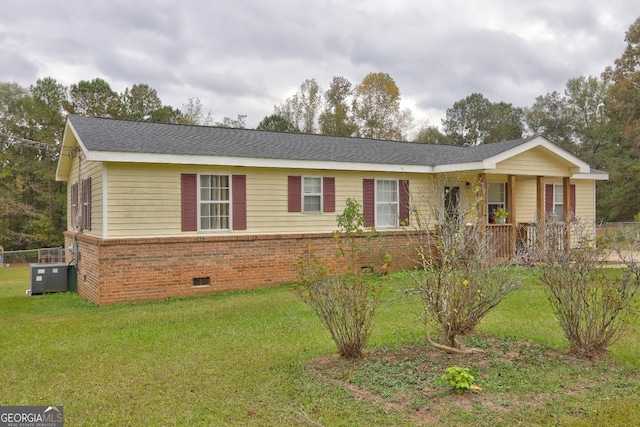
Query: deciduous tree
x=337, y=118
x=31, y=202
x=431, y=135
x=94, y=98
x=193, y=113
x=377, y=111
x=302, y=108
x=277, y=123
x=619, y=196
x=550, y=117
x=140, y=102
x=476, y=120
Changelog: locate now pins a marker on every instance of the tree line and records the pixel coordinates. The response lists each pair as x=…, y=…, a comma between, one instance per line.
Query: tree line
x=595, y=118
x=32, y=203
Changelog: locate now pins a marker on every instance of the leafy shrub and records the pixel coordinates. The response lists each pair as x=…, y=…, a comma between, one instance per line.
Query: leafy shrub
x=589, y=301
x=346, y=304
x=458, y=282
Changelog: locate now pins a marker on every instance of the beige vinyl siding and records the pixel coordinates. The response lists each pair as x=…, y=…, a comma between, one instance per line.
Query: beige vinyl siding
x=267, y=198
x=94, y=170
x=585, y=200
x=585, y=197
x=81, y=170
x=526, y=200
x=526, y=204
x=144, y=200
x=73, y=179
x=535, y=162
x=585, y=204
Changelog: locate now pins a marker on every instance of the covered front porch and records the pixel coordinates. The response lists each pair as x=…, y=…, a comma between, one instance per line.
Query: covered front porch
x=555, y=206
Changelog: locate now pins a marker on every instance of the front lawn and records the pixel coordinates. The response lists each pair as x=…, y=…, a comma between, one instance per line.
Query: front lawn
x=262, y=358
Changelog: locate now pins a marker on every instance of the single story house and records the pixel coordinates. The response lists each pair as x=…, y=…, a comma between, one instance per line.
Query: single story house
x=160, y=210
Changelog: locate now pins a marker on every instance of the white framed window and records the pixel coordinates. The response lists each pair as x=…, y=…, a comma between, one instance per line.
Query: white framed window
x=86, y=203
x=496, y=198
x=215, y=202
x=312, y=194
x=558, y=204
x=387, y=203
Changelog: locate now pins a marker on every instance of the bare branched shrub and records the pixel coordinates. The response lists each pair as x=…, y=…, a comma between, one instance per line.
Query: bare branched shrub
x=346, y=304
x=626, y=244
x=458, y=282
x=590, y=302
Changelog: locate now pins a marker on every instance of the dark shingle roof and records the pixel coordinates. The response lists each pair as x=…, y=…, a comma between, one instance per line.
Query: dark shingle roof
x=110, y=135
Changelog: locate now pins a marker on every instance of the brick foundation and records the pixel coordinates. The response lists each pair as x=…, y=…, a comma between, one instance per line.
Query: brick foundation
x=127, y=270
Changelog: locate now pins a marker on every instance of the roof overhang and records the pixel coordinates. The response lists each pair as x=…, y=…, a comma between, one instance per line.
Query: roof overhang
x=598, y=176
x=68, y=150
x=183, y=159
x=575, y=167
x=72, y=146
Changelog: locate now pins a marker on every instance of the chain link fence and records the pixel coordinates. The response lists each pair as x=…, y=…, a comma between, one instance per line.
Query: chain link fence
x=29, y=256
x=619, y=231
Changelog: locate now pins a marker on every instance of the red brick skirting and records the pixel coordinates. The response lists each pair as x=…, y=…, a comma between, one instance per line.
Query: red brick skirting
x=126, y=270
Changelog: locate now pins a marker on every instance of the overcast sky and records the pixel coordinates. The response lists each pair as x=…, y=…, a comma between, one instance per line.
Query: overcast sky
x=245, y=56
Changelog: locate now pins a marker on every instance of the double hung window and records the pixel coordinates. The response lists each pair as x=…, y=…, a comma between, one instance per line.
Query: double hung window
x=86, y=203
x=558, y=205
x=387, y=203
x=312, y=194
x=215, y=202
x=496, y=197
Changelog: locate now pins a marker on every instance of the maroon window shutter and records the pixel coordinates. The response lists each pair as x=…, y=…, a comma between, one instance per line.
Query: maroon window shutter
x=239, y=183
x=189, y=201
x=404, y=202
x=572, y=199
x=89, y=203
x=369, y=202
x=295, y=193
x=329, y=194
x=548, y=199
x=74, y=205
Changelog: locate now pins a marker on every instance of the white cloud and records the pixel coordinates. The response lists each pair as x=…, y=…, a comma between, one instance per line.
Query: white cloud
x=244, y=57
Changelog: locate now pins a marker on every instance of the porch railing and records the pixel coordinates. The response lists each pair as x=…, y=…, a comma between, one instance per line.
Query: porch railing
x=500, y=237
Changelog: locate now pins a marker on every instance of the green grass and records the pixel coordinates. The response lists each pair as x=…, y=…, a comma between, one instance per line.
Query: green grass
x=262, y=358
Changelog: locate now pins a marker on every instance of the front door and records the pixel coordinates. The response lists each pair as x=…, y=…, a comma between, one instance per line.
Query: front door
x=452, y=203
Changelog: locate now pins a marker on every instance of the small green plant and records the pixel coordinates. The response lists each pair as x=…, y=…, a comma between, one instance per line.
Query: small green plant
x=500, y=214
x=460, y=379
